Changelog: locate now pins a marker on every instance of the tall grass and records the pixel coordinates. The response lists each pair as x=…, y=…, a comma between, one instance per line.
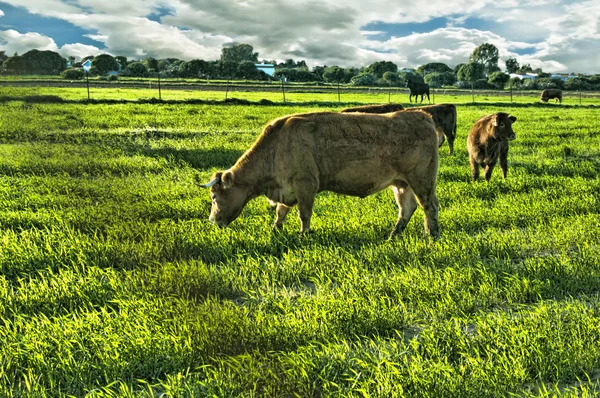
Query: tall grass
x=113, y=283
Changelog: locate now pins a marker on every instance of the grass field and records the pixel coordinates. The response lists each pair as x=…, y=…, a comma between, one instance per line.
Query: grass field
x=114, y=283
x=297, y=96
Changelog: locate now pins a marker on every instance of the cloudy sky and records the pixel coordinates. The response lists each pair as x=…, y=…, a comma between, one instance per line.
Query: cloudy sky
x=556, y=35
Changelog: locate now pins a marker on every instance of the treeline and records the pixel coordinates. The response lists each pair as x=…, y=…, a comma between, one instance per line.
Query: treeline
x=239, y=62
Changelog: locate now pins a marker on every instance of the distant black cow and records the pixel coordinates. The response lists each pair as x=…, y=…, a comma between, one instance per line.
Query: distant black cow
x=417, y=89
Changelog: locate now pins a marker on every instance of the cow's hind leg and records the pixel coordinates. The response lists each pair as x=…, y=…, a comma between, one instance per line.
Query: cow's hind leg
x=429, y=201
x=474, y=169
x=488, y=170
x=282, y=211
x=305, y=190
x=407, y=204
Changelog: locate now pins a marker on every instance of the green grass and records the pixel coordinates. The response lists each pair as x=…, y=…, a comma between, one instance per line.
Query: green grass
x=293, y=95
x=114, y=283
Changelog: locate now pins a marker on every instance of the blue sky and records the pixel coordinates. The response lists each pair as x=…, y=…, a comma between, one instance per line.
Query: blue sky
x=555, y=35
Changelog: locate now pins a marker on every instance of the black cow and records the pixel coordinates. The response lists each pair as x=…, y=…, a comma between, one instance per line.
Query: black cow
x=417, y=89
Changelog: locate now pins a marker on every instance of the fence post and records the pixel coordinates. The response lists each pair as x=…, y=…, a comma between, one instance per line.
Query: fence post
x=282, y=88
x=433, y=94
x=339, y=100
x=227, y=89
x=579, y=96
x=510, y=85
x=87, y=82
x=159, y=92
x=472, y=92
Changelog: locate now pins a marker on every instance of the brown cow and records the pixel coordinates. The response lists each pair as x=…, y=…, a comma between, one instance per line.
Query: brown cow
x=488, y=142
x=551, y=93
x=379, y=108
x=355, y=154
x=444, y=117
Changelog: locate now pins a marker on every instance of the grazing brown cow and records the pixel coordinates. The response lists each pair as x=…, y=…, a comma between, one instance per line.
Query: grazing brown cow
x=551, y=93
x=488, y=142
x=444, y=117
x=379, y=108
x=355, y=154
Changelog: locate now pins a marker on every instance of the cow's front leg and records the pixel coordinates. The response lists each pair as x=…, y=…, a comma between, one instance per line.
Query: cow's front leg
x=281, y=211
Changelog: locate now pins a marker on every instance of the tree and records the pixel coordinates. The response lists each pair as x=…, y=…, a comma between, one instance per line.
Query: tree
x=122, y=60
x=247, y=70
x=471, y=72
x=364, y=79
x=433, y=67
x=194, y=68
x=105, y=63
x=137, y=69
x=380, y=67
x=72, y=74
x=486, y=54
x=392, y=78
x=440, y=79
x=498, y=79
x=526, y=68
x=227, y=69
x=238, y=53
x=335, y=74
x=36, y=62
x=512, y=66
x=151, y=64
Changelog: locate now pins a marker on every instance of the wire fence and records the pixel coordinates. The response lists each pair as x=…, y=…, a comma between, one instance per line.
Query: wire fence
x=182, y=90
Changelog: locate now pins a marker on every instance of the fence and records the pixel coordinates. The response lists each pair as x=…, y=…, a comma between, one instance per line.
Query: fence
x=170, y=89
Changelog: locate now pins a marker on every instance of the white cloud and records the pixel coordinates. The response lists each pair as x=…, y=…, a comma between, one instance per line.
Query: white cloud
x=79, y=50
x=1, y=13
x=557, y=34
x=15, y=42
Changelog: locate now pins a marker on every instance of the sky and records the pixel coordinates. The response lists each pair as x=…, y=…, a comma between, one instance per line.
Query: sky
x=555, y=35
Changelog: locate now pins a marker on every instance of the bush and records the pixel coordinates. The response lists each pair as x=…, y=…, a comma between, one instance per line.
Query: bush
x=483, y=84
x=112, y=78
x=365, y=79
x=72, y=74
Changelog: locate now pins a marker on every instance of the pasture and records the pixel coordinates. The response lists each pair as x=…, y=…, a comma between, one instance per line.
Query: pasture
x=114, y=283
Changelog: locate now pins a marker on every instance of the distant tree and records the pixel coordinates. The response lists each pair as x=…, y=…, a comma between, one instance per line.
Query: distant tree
x=335, y=74
x=238, y=53
x=471, y=72
x=577, y=83
x=433, y=67
x=228, y=69
x=440, y=79
x=486, y=54
x=364, y=79
x=90, y=57
x=163, y=65
x=525, y=68
x=512, y=66
x=378, y=68
x=457, y=68
x=105, y=63
x=72, y=60
x=35, y=62
x=247, y=70
x=72, y=74
x=392, y=78
x=515, y=82
x=498, y=79
x=194, y=68
x=543, y=74
x=151, y=64
x=413, y=77
x=122, y=60
x=319, y=70
x=137, y=69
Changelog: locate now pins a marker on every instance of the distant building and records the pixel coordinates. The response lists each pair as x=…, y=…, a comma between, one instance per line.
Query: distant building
x=269, y=69
x=524, y=76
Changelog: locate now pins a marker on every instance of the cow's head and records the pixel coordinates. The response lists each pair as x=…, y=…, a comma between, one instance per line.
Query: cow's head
x=502, y=125
x=228, y=198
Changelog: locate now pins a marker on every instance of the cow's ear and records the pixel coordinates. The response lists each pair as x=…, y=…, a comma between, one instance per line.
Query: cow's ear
x=513, y=118
x=227, y=179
